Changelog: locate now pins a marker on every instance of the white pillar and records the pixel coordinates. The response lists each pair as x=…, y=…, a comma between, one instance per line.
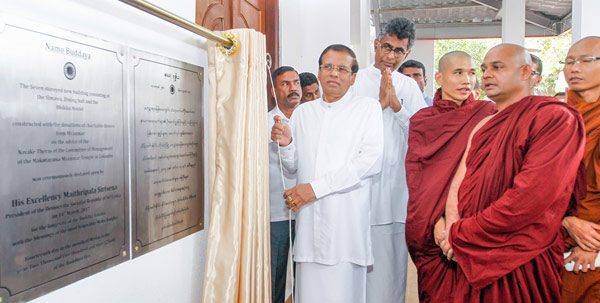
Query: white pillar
x=585, y=21
x=513, y=21
x=360, y=22
x=422, y=51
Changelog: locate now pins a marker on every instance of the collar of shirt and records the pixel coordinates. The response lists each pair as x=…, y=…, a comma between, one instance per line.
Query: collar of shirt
x=339, y=103
x=373, y=71
x=278, y=112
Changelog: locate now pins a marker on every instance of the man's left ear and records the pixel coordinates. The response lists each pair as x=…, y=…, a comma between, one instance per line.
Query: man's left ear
x=527, y=71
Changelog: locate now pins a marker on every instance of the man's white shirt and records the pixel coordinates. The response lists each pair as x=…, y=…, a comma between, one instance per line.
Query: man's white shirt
x=337, y=148
x=389, y=194
x=279, y=211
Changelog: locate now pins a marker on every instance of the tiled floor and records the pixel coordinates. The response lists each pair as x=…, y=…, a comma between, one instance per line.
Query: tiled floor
x=412, y=293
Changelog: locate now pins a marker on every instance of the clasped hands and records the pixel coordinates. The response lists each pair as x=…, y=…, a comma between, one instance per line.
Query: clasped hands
x=440, y=235
x=586, y=235
x=387, y=93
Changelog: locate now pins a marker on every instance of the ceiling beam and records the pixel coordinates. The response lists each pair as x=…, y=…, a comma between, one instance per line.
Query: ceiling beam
x=419, y=7
x=465, y=31
x=566, y=22
x=530, y=17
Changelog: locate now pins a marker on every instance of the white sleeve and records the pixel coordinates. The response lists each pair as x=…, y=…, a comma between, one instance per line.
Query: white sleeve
x=411, y=99
x=289, y=158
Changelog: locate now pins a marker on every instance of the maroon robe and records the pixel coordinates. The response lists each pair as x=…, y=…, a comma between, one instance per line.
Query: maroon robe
x=437, y=139
x=521, y=170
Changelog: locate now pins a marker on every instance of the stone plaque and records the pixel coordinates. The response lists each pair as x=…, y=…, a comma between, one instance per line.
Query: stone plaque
x=168, y=195
x=64, y=190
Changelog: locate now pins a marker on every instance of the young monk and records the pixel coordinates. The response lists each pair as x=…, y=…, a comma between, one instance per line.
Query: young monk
x=438, y=136
x=582, y=71
x=512, y=188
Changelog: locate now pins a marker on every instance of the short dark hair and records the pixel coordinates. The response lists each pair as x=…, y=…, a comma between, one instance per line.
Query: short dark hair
x=307, y=79
x=412, y=63
x=341, y=48
x=281, y=70
x=401, y=28
x=537, y=61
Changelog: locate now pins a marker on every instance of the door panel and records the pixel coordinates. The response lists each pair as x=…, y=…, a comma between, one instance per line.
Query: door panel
x=261, y=15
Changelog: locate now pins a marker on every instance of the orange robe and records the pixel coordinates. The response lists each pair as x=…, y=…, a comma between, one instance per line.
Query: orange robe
x=585, y=287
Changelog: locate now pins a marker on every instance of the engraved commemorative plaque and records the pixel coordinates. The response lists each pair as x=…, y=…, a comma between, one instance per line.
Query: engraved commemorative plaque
x=63, y=195
x=168, y=185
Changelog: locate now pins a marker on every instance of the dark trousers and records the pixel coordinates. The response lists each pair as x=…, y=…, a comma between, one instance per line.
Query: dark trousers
x=280, y=246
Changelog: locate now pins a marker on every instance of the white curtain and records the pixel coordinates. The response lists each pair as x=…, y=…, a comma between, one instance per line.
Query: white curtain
x=238, y=256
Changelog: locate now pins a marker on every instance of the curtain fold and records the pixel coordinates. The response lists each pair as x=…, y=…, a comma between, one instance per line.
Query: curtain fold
x=238, y=252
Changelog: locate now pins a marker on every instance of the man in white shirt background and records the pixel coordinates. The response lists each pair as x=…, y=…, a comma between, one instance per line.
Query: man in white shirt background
x=334, y=144
x=399, y=97
x=416, y=70
x=288, y=93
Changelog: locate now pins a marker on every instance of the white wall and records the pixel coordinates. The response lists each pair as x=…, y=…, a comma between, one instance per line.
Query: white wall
x=585, y=19
x=423, y=51
x=306, y=27
x=173, y=273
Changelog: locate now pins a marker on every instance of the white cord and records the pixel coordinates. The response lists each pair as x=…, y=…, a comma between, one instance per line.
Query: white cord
x=291, y=250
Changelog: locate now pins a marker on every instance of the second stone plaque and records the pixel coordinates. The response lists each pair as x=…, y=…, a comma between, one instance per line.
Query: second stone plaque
x=168, y=192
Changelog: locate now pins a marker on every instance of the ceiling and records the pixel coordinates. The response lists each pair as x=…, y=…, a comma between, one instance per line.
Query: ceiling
x=447, y=19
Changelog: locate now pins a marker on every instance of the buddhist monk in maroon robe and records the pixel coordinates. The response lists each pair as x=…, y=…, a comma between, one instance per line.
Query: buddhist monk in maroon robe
x=512, y=189
x=582, y=72
x=437, y=139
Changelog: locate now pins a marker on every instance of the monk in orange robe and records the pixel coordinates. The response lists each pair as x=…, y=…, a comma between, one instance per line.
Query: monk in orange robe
x=582, y=72
x=437, y=138
x=512, y=189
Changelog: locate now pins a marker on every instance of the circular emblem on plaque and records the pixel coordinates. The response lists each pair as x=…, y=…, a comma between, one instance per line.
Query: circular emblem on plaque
x=172, y=89
x=70, y=70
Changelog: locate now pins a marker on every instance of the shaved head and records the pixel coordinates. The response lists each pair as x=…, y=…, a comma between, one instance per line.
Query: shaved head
x=582, y=74
x=448, y=57
x=518, y=53
x=456, y=76
x=590, y=40
x=507, y=74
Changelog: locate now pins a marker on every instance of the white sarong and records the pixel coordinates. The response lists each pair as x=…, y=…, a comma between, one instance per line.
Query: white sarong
x=386, y=278
x=341, y=283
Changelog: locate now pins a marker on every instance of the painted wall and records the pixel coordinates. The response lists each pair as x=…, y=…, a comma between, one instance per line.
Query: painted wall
x=306, y=27
x=423, y=51
x=585, y=19
x=175, y=272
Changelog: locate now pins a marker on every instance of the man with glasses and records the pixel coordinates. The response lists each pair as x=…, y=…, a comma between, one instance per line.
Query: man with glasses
x=536, y=74
x=582, y=72
x=334, y=145
x=399, y=97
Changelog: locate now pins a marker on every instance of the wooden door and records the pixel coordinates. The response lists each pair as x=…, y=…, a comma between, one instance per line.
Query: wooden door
x=261, y=15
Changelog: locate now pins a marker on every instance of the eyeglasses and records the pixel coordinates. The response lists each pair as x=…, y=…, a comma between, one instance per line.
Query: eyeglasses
x=343, y=70
x=535, y=73
x=582, y=60
x=386, y=49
